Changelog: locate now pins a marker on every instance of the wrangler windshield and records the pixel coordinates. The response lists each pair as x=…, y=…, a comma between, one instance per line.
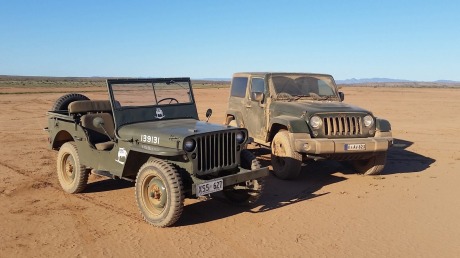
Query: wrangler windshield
x=293, y=87
x=141, y=94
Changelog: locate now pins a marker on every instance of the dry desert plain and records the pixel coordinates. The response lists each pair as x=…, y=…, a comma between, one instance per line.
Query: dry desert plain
x=411, y=210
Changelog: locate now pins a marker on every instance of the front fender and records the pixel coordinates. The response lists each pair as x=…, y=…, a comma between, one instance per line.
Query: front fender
x=138, y=155
x=293, y=124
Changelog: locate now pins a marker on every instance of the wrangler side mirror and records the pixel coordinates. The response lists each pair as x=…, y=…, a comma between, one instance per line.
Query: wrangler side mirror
x=257, y=96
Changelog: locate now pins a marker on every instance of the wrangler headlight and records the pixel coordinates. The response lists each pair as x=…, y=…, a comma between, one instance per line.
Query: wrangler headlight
x=316, y=122
x=368, y=121
x=189, y=145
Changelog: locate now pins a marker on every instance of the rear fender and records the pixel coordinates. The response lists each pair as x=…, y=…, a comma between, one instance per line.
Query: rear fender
x=383, y=125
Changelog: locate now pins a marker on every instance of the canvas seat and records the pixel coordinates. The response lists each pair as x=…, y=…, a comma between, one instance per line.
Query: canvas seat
x=87, y=106
x=96, y=135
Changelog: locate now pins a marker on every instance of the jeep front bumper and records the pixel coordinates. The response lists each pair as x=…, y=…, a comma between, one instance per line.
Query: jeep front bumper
x=379, y=143
x=240, y=177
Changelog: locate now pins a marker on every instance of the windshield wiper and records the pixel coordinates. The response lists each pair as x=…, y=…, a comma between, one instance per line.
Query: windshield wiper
x=297, y=97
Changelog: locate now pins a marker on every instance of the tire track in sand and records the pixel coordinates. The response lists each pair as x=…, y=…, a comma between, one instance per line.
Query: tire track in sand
x=90, y=199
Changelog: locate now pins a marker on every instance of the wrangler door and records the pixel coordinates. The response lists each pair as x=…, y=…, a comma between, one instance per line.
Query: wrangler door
x=254, y=115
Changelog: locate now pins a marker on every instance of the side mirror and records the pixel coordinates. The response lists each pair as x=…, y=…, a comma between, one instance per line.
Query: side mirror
x=98, y=122
x=208, y=114
x=257, y=96
x=342, y=96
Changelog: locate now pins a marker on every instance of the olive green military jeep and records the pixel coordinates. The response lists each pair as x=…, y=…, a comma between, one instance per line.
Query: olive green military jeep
x=302, y=117
x=148, y=132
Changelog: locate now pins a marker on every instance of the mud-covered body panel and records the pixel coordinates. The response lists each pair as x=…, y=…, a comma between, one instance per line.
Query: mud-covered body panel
x=341, y=124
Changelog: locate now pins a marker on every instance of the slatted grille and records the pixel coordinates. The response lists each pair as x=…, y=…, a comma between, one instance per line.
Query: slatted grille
x=343, y=125
x=216, y=151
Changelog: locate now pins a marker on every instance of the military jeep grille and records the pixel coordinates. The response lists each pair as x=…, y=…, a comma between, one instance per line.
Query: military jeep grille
x=342, y=125
x=216, y=151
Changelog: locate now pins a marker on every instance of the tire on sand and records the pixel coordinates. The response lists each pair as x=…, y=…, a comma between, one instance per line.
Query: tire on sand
x=62, y=103
x=249, y=192
x=159, y=193
x=72, y=175
x=371, y=166
x=285, y=160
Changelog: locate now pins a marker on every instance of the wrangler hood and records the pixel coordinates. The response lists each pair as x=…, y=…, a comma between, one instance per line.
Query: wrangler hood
x=313, y=107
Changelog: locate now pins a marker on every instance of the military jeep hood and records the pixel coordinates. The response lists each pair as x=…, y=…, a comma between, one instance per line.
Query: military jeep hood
x=168, y=132
x=313, y=107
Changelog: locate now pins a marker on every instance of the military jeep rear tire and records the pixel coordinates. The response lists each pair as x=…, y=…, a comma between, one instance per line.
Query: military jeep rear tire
x=159, y=193
x=72, y=175
x=286, y=161
x=371, y=166
x=63, y=102
x=249, y=192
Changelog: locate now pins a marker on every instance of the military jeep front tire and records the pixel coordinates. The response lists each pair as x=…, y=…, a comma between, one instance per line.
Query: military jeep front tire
x=72, y=175
x=159, y=193
x=286, y=162
x=249, y=192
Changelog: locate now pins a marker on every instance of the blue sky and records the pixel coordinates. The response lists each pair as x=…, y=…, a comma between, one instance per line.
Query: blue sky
x=414, y=40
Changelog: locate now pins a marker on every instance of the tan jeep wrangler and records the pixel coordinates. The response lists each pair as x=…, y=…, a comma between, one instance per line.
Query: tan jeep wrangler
x=302, y=116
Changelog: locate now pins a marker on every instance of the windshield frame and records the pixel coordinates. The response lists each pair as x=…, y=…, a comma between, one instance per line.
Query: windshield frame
x=146, y=113
x=295, y=97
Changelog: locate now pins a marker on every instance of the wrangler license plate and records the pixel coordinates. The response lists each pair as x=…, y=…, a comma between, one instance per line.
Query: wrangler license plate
x=354, y=147
x=209, y=187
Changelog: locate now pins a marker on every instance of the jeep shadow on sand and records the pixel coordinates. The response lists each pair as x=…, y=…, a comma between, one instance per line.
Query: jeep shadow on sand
x=302, y=117
x=148, y=132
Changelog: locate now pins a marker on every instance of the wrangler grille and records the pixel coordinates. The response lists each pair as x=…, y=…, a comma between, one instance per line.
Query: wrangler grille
x=217, y=151
x=342, y=125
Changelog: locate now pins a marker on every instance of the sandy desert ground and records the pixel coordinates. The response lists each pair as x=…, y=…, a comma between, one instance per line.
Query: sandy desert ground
x=412, y=210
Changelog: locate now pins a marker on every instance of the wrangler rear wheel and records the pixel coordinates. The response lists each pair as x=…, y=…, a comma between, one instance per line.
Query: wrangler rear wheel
x=371, y=166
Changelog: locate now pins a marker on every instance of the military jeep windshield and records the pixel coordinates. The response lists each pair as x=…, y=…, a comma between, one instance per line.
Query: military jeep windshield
x=143, y=100
x=318, y=87
x=136, y=94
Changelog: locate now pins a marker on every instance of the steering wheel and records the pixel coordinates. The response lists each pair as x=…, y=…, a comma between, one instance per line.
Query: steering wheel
x=170, y=100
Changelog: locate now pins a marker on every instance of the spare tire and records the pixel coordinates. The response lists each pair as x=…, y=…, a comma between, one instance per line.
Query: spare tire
x=63, y=102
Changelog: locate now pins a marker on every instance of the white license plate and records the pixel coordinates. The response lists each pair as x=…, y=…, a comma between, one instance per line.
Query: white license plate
x=209, y=187
x=358, y=146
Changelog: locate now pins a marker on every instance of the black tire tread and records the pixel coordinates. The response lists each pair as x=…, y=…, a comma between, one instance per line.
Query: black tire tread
x=371, y=166
x=249, y=161
x=62, y=103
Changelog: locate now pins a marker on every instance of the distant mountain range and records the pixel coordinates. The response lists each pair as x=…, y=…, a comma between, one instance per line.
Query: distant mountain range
x=351, y=81
x=383, y=80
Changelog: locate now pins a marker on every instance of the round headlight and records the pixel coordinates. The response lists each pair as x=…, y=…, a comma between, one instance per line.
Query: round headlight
x=189, y=145
x=368, y=121
x=316, y=122
x=240, y=137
